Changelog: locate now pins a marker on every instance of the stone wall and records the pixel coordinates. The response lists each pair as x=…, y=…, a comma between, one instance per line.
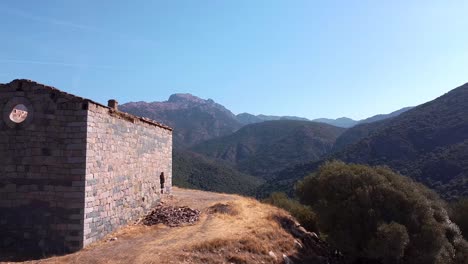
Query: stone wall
x=125, y=156
x=42, y=169
x=71, y=170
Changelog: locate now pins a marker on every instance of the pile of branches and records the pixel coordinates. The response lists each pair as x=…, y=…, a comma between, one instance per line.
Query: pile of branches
x=172, y=216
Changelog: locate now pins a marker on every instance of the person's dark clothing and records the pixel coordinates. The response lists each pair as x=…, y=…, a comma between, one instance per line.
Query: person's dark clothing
x=161, y=180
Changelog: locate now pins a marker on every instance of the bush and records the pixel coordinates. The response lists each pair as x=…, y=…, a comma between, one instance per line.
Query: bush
x=459, y=215
x=389, y=242
x=302, y=213
x=374, y=214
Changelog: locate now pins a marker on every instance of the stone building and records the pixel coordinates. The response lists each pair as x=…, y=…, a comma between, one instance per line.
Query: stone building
x=73, y=170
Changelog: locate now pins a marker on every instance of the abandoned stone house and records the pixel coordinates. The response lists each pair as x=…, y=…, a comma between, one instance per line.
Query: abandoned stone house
x=73, y=170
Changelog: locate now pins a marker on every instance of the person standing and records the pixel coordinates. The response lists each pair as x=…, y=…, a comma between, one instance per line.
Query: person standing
x=162, y=180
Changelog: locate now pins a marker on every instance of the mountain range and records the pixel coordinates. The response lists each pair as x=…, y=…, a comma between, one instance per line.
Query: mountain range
x=246, y=118
x=196, y=120
x=193, y=118
x=212, y=145
x=428, y=143
x=263, y=149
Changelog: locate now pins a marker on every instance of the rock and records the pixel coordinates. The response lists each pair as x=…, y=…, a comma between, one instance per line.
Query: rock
x=272, y=254
x=297, y=244
x=287, y=260
x=302, y=230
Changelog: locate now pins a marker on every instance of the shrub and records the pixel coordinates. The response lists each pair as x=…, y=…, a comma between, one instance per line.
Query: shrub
x=302, y=213
x=374, y=214
x=459, y=215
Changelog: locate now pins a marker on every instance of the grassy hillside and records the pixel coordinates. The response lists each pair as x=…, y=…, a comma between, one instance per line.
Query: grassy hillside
x=191, y=170
x=266, y=148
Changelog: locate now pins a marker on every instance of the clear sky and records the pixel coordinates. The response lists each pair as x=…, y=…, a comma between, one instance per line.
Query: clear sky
x=305, y=58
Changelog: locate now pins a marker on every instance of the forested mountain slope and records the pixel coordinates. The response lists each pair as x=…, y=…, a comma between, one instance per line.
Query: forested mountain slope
x=265, y=148
x=192, y=170
x=428, y=143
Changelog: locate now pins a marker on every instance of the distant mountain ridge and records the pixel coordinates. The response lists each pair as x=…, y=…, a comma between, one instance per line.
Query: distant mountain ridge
x=246, y=118
x=385, y=116
x=339, y=122
x=194, y=119
x=428, y=143
x=345, y=122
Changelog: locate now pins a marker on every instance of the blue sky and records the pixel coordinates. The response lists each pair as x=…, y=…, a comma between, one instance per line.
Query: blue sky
x=305, y=58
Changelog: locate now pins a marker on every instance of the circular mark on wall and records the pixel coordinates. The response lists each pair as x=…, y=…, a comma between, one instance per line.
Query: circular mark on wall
x=19, y=113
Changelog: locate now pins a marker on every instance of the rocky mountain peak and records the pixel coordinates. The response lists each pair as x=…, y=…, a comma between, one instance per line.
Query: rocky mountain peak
x=185, y=98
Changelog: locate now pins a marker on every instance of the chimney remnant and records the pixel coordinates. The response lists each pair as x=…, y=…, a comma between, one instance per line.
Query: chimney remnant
x=112, y=103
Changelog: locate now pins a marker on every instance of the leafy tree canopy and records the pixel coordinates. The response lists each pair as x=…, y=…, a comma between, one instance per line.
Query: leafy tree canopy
x=374, y=214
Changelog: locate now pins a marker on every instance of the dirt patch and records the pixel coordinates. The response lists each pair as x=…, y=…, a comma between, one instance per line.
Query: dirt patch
x=251, y=236
x=220, y=208
x=172, y=216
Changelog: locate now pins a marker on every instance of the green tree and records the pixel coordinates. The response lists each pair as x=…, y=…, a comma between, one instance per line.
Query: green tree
x=374, y=214
x=389, y=243
x=302, y=213
x=459, y=214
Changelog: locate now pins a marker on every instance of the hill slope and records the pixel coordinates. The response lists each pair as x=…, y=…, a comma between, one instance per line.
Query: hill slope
x=263, y=149
x=428, y=143
x=231, y=229
x=356, y=133
x=246, y=118
x=193, y=119
x=365, y=128
x=350, y=123
x=191, y=170
x=385, y=116
x=339, y=122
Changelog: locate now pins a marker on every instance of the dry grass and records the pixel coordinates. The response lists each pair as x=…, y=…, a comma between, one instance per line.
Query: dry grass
x=227, y=208
x=232, y=229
